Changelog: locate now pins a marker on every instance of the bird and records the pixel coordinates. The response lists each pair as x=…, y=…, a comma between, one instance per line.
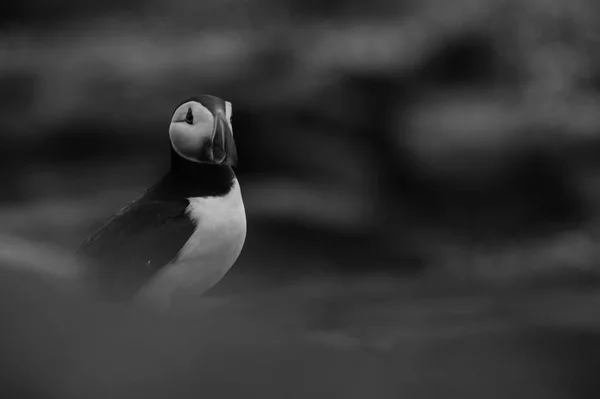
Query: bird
x=184, y=233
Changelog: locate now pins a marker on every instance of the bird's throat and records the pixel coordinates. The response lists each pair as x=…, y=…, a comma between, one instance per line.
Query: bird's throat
x=194, y=179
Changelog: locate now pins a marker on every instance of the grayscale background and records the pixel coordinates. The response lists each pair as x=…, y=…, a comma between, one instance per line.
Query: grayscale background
x=421, y=180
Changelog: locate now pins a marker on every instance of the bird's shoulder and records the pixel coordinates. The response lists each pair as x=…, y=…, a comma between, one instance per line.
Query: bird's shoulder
x=137, y=241
x=140, y=220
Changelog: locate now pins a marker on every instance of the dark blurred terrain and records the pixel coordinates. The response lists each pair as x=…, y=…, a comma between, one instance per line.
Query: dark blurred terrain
x=421, y=180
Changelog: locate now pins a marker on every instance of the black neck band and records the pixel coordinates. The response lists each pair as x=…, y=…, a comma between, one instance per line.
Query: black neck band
x=193, y=179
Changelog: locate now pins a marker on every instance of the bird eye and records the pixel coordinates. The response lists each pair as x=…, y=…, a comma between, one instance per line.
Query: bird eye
x=189, y=117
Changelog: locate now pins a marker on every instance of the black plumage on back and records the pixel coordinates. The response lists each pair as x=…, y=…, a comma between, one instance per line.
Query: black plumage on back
x=131, y=246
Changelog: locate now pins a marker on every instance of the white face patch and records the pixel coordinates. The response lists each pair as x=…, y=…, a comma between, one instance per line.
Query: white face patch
x=191, y=125
x=199, y=111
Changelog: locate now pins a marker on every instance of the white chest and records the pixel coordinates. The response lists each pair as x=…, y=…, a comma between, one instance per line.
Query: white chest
x=220, y=228
x=211, y=250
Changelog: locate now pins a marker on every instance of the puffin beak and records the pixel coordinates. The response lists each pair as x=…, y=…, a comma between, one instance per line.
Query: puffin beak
x=223, y=146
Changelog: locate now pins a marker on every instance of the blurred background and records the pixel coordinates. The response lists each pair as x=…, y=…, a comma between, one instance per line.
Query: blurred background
x=421, y=179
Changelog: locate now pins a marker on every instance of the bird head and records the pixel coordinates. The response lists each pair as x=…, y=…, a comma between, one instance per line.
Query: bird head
x=201, y=131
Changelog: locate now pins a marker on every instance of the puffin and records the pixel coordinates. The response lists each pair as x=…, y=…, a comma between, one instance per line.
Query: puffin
x=184, y=233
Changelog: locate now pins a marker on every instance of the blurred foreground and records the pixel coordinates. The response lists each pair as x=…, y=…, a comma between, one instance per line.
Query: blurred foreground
x=356, y=338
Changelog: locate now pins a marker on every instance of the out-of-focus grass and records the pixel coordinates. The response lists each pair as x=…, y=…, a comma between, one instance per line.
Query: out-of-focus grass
x=352, y=337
